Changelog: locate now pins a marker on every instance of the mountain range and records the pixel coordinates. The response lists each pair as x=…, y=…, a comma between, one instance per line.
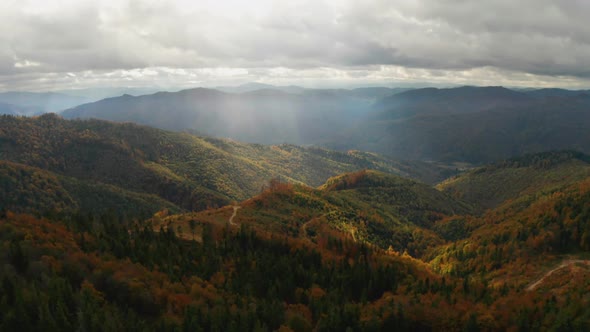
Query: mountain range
x=95, y=159
x=35, y=103
x=114, y=225
x=266, y=116
x=477, y=125
x=465, y=124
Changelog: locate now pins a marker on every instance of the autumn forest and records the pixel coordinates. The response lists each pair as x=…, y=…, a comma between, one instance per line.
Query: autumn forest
x=120, y=227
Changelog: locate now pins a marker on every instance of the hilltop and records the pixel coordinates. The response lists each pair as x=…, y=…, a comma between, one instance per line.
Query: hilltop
x=368, y=206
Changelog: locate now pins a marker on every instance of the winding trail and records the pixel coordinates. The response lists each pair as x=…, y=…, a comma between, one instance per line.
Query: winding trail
x=304, y=228
x=353, y=232
x=231, y=219
x=565, y=263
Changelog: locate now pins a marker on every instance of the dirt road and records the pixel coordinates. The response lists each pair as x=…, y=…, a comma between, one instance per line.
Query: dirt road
x=231, y=219
x=565, y=263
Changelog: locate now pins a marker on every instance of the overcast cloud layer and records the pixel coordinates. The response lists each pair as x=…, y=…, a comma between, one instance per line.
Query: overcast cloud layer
x=53, y=44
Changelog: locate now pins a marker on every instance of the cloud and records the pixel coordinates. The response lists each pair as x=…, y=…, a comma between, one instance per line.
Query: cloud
x=42, y=41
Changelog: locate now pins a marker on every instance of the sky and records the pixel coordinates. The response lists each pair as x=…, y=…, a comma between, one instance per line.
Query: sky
x=73, y=44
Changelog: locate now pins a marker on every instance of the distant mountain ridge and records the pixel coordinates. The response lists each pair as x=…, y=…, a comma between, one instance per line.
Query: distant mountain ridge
x=267, y=116
x=467, y=99
x=34, y=103
x=464, y=124
x=10, y=109
x=365, y=92
x=477, y=125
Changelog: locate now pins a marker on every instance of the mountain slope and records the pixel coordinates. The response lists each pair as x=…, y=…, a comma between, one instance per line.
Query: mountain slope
x=381, y=209
x=433, y=130
x=467, y=99
x=261, y=116
x=77, y=275
x=292, y=257
x=518, y=178
x=188, y=171
x=517, y=243
x=553, y=92
x=33, y=190
x=467, y=124
x=369, y=93
x=535, y=221
x=503, y=253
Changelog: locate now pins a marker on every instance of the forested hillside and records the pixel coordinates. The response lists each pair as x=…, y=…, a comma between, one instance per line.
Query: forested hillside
x=384, y=210
x=280, y=237
x=518, y=178
x=110, y=274
x=294, y=166
x=526, y=257
x=144, y=165
x=33, y=190
x=520, y=242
